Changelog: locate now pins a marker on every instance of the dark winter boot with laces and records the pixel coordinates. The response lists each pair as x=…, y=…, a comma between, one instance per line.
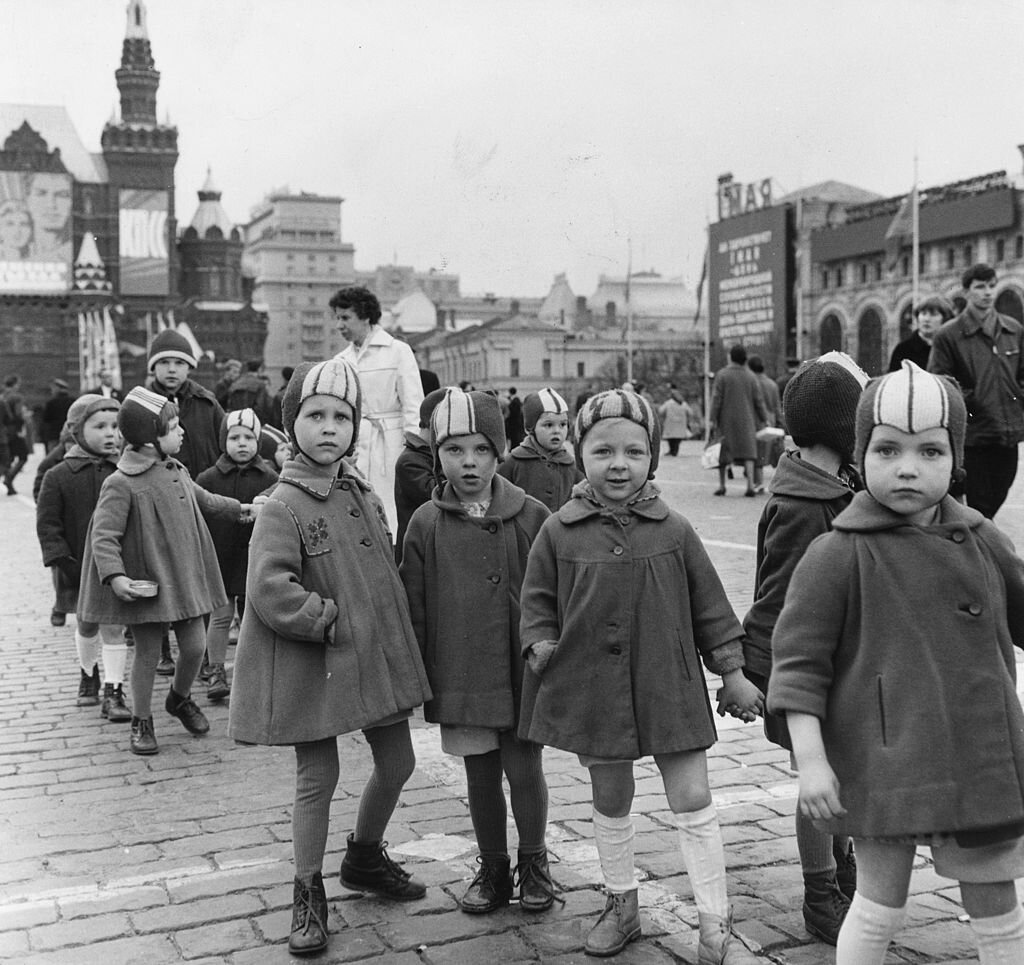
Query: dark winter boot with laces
x=89, y=688
x=217, y=685
x=846, y=868
x=185, y=709
x=114, y=708
x=825, y=906
x=367, y=867
x=142, y=740
x=309, y=917
x=536, y=889
x=491, y=889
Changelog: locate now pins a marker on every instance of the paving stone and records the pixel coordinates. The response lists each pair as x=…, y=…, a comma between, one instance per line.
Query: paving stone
x=222, y=938
x=112, y=899
x=87, y=931
x=194, y=913
x=27, y=914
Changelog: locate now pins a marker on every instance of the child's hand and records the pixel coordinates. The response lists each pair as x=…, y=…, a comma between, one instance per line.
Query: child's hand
x=739, y=697
x=122, y=588
x=539, y=654
x=249, y=513
x=819, y=791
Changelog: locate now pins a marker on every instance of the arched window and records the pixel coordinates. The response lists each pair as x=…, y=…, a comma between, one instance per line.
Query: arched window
x=869, y=342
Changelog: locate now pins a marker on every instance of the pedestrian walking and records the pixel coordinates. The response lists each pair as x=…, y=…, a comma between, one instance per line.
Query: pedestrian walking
x=55, y=411
x=929, y=316
x=17, y=423
x=149, y=560
x=737, y=408
x=768, y=450
x=391, y=390
x=894, y=665
x=811, y=486
x=416, y=475
x=67, y=499
x=243, y=475
x=326, y=646
x=676, y=414
x=463, y=564
x=542, y=465
x=231, y=370
x=515, y=428
x=620, y=604
x=984, y=351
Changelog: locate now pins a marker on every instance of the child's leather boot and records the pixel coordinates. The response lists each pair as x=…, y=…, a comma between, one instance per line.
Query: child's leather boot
x=720, y=945
x=309, y=917
x=618, y=925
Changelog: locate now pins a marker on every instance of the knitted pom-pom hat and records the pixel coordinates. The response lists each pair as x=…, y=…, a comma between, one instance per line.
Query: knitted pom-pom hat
x=912, y=400
x=169, y=344
x=820, y=402
x=462, y=413
x=618, y=404
x=83, y=407
x=145, y=416
x=334, y=377
x=536, y=403
x=246, y=418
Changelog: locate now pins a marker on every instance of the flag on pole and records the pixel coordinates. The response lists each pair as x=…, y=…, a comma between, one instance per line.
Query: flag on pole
x=900, y=232
x=111, y=351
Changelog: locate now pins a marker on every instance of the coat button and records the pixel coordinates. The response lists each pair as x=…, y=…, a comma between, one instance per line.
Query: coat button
x=615, y=650
x=617, y=551
x=492, y=528
x=494, y=578
x=353, y=512
x=365, y=541
x=957, y=537
x=346, y=486
x=974, y=610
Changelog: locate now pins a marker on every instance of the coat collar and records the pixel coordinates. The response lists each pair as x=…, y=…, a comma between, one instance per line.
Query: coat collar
x=795, y=477
x=866, y=515
x=134, y=462
x=415, y=441
x=507, y=499
x=188, y=390
x=319, y=481
x=971, y=324
x=226, y=466
x=529, y=449
x=583, y=504
x=78, y=458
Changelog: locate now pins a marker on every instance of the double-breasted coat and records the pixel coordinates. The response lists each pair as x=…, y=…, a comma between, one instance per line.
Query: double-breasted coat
x=326, y=646
x=633, y=603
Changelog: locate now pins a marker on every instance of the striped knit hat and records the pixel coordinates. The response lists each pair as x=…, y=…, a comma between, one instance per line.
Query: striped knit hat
x=618, y=404
x=912, y=400
x=334, y=377
x=271, y=439
x=144, y=416
x=462, y=413
x=246, y=418
x=537, y=403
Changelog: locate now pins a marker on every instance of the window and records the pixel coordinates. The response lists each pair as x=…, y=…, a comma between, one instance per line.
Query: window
x=839, y=278
x=824, y=278
x=863, y=274
x=878, y=271
x=1000, y=249
x=1018, y=248
x=545, y=368
x=580, y=370
x=513, y=368
x=950, y=258
x=968, y=254
x=922, y=260
x=904, y=268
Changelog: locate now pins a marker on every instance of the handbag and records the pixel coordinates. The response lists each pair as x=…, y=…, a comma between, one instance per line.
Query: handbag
x=709, y=458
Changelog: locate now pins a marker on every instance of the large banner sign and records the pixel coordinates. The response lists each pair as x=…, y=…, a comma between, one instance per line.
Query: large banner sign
x=142, y=227
x=35, y=231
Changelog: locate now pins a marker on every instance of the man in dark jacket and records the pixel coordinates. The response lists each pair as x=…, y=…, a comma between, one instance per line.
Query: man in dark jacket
x=249, y=391
x=984, y=351
x=55, y=411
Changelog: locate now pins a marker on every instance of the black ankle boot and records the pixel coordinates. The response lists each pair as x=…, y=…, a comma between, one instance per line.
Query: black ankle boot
x=114, y=707
x=309, y=917
x=142, y=739
x=185, y=709
x=846, y=869
x=825, y=906
x=89, y=688
x=166, y=665
x=367, y=867
x=491, y=889
x=536, y=889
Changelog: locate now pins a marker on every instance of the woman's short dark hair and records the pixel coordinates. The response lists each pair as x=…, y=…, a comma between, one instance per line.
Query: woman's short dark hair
x=937, y=304
x=361, y=300
x=755, y=363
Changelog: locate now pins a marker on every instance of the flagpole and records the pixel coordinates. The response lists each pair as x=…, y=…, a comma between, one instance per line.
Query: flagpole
x=916, y=249
x=629, y=316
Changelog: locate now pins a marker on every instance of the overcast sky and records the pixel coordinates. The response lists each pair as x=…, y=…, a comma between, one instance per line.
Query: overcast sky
x=510, y=141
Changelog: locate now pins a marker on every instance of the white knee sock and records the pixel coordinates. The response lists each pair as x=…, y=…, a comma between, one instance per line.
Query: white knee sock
x=614, y=840
x=1000, y=938
x=115, y=657
x=867, y=931
x=700, y=840
x=88, y=650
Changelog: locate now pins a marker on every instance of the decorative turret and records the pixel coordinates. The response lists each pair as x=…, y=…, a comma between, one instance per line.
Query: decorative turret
x=137, y=77
x=90, y=270
x=211, y=214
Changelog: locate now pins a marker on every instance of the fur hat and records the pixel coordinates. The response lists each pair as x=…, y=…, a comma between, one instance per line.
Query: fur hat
x=536, y=403
x=169, y=344
x=245, y=418
x=144, y=416
x=820, y=402
x=271, y=438
x=618, y=404
x=913, y=400
x=462, y=413
x=427, y=406
x=83, y=407
x=335, y=377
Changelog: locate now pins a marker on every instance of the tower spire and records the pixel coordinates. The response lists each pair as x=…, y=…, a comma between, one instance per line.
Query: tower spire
x=137, y=77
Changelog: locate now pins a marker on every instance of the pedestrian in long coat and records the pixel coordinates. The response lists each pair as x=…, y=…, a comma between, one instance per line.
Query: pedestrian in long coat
x=737, y=410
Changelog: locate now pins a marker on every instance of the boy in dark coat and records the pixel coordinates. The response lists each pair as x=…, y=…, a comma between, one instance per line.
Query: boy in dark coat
x=542, y=465
x=415, y=476
x=67, y=499
x=240, y=472
x=811, y=486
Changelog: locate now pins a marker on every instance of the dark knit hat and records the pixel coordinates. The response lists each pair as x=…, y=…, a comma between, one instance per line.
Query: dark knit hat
x=427, y=406
x=334, y=377
x=145, y=416
x=618, y=404
x=462, y=413
x=545, y=400
x=246, y=418
x=912, y=400
x=169, y=344
x=820, y=402
x=270, y=439
x=83, y=407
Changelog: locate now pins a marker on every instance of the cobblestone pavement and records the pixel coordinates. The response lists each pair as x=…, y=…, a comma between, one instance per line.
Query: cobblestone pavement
x=186, y=856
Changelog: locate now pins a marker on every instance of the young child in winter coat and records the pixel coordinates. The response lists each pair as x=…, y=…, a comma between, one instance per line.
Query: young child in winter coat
x=415, y=476
x=67, y=499
x=326, y=646
x=811, y=486
x=275, y=449
x=542, y=465
x=620, y=603
x=463, y=564
x=241, y=473
x=894, y=665
x=149, y=560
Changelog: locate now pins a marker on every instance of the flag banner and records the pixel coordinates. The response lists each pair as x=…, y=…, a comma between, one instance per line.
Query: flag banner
x=900, y=233
x=111, y=353
x=700, y=287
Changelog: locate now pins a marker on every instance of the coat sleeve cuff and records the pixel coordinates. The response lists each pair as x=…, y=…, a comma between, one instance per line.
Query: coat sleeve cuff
x=725, y=658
